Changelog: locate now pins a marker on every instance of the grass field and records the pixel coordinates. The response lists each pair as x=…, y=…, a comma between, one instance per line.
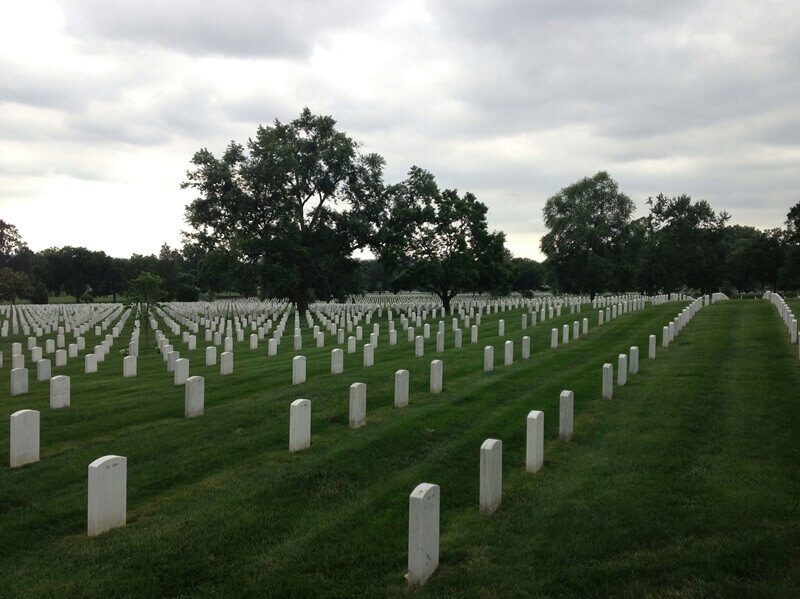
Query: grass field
x=685, y=484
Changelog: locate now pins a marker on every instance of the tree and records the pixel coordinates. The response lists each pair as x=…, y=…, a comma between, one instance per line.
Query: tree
x=13, y=284
x=527, y=276
x=587, y=224
x=438, y=240
x=294, y=203
x=11, y=243
x=146, y=288
x=686, y=243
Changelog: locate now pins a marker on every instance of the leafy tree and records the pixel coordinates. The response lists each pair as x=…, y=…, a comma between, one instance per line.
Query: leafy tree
x=13, y=284
x=39, y=294
x=438, y=240
x=686, y=243
x=588, y=226
x=146, y=288
x=527, y=276
x=11, y=243
x=294, y=202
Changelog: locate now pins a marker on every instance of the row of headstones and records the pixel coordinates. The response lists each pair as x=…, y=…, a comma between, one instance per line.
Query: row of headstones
x=19, y=384
x=424, y=501
x=33, y=320
x=786, y=314
x=628, y=364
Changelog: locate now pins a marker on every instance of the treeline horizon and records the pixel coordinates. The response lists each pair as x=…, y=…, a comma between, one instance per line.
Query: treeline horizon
x=282, y=214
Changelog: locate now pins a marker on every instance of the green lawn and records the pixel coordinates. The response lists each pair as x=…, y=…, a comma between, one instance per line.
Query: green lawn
x=685, y=484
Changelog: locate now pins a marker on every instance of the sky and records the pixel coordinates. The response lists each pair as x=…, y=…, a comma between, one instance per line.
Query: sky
x=104, y=102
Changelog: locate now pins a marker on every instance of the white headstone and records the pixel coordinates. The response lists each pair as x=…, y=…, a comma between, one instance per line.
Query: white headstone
x=508, y=353
x=194, y=396
x=488, y=358
x=181, y=372
x=19, y=381
x=59, y=392
x=401, y=388
x=566, y=410
x=534, y=444
x=337, y=361
x=211, y=355
x=298, y=370
x=108, y=494
x=24, y=439
x=437, y=376
x=358, y=405
x=491, y=477
x=608, y=381
x=226, y=363
x=299, y=425
x=423, y=533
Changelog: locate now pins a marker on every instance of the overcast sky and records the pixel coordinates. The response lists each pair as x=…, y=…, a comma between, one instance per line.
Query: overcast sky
x=103, y=102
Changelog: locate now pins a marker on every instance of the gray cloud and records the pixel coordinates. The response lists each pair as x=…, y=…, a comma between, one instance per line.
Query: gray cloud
x=513, y=100
x=248, y=28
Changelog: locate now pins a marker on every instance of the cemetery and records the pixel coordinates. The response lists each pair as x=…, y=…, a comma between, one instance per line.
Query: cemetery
x=545, y=442
x=530, y=331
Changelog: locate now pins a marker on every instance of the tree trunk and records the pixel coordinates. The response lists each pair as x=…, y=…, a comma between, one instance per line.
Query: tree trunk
x=445, y=302
x=302, y=303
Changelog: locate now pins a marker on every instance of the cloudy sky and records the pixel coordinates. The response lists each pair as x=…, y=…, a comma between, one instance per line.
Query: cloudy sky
x=103, y=102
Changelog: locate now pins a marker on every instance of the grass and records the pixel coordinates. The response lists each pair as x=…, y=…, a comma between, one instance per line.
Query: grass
x=685, y=484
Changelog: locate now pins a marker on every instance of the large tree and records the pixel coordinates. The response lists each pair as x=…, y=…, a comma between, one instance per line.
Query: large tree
x=295, y=201
x=438, y=240
x=686, y=243
x=11, y=243
x=14, y=285
x=588, y=227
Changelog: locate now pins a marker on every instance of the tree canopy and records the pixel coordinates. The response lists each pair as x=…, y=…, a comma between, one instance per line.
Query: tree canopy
x=295, y=201
x=588, y=226
x=438, y=240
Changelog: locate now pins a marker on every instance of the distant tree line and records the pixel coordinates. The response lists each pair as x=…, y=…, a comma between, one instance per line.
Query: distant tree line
x=594, y=244
x=283, y=214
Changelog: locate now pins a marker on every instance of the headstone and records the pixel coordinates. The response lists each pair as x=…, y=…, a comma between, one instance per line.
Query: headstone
x=24, y=438
x=298, y=370
x=419, y=346
x=90, y=363
x=61, y=357
x=622, y=369
x=401, y=388
x=19, y=381
x=351, y=345
x=299, y=425
x=423, y=533
x=358, y=405
x=181, y=372
x=369, y=354
x=608, y=381
x=488, y=358
x=194, y=396
x=337, y=361
x=491, y=475
x=211, y=356
x=508, y=354
x=554, y=338
x=534, y=444
x=501, y=327
x=473, y=334
x=108, y=490
x=226, y=363
x=566, y=410
x=59, y=392
x=437, y=376
x=526, y=347
x=633, y=361
x=43, y=370
x=651, y=353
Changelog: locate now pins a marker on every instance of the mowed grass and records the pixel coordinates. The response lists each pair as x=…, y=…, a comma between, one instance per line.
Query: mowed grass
x=686, y=483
